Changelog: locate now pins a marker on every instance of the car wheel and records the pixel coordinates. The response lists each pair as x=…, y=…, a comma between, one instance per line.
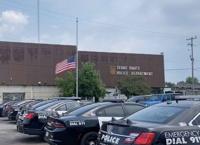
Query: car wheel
x=89, y=138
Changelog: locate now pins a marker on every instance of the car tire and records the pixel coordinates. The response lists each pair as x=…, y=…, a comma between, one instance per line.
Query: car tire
x=89, y=138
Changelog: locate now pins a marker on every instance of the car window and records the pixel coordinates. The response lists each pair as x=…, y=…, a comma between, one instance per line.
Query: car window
x=116, y=111
x=167, y=97
x=154, y=98
x=101, y=112
x=156, y=114
x=62, y=108
x=72, y=105
x=196, y=121
x=84, y=109
x=130, y=109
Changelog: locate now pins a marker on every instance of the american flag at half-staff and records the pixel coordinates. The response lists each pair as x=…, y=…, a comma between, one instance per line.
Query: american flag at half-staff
x=67, y=64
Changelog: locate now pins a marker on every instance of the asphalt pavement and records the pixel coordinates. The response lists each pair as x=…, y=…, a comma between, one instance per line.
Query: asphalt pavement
x=10, y=136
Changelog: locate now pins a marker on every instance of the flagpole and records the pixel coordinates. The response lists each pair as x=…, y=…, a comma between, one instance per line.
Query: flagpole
x=77, y=57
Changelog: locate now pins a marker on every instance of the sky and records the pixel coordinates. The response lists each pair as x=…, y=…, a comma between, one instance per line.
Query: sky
x=128, y=26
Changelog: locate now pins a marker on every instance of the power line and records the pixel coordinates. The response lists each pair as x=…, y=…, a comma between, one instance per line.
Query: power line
x=85, y=20
x=175, y=69
x=181, y=69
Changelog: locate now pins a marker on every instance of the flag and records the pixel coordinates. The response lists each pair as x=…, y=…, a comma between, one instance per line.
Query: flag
x=65, y=65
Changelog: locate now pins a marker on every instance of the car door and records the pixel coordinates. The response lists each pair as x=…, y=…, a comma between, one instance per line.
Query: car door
x=106, y=113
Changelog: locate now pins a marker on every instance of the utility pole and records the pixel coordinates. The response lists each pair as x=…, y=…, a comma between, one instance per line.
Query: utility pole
x=191, y=39
x=77, y=57
x=38, y=20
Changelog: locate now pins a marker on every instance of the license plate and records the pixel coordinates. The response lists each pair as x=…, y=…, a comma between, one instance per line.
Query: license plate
x=42, y=117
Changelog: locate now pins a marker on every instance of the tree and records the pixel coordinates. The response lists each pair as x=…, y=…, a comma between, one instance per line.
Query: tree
x=189, y=80
x=67, y=84
x=134, y=85
x=170, y=85
x=90, y=84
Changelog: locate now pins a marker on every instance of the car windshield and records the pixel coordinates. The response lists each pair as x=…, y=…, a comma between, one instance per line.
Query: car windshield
x=154, y=98
x=156, y=114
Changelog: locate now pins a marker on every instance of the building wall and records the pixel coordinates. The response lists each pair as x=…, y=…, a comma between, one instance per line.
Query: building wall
x=30, y=92
x=116, y=66
x=29, y=64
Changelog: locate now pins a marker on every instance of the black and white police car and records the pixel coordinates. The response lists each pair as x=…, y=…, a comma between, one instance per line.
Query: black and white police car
x=81, y=126
x=169, y=123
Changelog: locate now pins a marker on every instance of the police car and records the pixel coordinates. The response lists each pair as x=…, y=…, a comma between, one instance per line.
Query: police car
x=169, y=123
x=34, y=121
x=81, y=126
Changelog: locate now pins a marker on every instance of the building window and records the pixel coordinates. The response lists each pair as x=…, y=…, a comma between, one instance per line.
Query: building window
x=18, y=54
x=84, y=58
x=94, y=58
x=33, y=52
x=46, y=51
x=104, y=58
x=4, y=55
x=113, y=59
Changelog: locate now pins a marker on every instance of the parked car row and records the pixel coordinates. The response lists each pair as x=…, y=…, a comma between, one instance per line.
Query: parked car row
x=81, y=126
x=173, y=123
x=33, y=121
x=72, y=122
x=61, y=121
x=153, y=99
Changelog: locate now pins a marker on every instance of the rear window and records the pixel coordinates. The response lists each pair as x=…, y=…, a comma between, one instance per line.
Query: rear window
x=156, y=114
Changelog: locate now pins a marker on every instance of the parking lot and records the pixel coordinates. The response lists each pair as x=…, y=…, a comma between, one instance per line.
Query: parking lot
x=9, y=135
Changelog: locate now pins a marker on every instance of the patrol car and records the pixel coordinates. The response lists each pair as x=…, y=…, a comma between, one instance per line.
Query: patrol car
x=81, y=126
x=169, y=123
x=34, y=121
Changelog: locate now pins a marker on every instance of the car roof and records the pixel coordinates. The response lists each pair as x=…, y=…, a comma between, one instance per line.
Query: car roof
x=113, y=100
x=61, y=102
x=43, y=107
x=180, y=103
x=133, y=103
x=41, y=103
x=188, y=97
x=67, y=98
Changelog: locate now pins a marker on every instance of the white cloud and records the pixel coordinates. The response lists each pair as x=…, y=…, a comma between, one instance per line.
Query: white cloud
x=12, y=21
x=14, y=17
